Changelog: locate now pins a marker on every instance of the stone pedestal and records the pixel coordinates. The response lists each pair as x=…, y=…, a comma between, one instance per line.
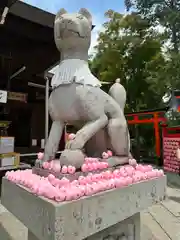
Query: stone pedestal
x=110, y=215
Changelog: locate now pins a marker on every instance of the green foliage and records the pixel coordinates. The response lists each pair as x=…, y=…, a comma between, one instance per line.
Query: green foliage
x=164, y=73
x=124, y=49
x=164, y=12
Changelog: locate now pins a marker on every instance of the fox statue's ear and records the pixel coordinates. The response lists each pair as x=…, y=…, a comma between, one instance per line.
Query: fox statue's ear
x=60, y=13
x=86, y=13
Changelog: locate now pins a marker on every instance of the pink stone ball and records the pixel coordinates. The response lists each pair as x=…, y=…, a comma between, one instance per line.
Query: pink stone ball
x=45, y=165
x=71, y=136
x=132, y=162
x=71, y=169
x=84, y=168
x=40, y=155
x=109, y=153
x=51, y=177
x=105, y=155
x=64, y=169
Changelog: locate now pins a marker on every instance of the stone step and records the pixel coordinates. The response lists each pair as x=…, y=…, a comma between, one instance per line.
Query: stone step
x=11, y=228
x=167, y=220
x=151, y=230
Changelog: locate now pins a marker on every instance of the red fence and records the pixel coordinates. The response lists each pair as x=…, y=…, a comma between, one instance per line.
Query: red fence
x=171, y=141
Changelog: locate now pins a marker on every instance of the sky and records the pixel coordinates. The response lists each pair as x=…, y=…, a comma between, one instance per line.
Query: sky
x=96, y=7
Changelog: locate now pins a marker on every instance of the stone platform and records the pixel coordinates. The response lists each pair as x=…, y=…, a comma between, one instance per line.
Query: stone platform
x=108, y=215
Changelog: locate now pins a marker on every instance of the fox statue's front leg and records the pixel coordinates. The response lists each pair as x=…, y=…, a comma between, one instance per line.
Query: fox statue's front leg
x=73, y=154
x=87, y=132
x=53, y=141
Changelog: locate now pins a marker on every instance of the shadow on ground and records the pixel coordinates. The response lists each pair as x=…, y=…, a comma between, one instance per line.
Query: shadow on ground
x=173, y=185
x=176, y=199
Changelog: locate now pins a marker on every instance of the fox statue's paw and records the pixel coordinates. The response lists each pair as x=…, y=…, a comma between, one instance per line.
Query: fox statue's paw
x=72, y=157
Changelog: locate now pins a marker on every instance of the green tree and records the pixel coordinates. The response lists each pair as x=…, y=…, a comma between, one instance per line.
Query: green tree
x=125, y=47
x=164, y=73
x=163, y=12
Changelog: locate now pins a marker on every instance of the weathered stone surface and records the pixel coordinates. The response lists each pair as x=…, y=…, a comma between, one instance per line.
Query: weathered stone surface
x=125, y=230
x=72, y=157
x=80, y=219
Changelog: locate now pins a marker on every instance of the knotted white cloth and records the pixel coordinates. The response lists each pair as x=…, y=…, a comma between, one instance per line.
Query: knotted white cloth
x=74, y=70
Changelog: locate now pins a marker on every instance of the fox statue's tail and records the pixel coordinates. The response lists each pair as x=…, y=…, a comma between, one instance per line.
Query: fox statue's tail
x=118, y=93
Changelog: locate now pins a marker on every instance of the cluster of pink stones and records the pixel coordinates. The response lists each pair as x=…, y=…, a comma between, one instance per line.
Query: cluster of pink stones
x=63, y=190
x=93, y=164
x=90, y=164
x=55, y=166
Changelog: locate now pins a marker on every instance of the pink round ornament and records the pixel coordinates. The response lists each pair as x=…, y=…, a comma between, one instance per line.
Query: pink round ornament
x=50, y=193
x=88, y=179
x=51, y=165
x=45, y=165
x=56, y=167
x=51, y=177
x=94, y=166
x=71, y=136
x=88, y=190
x=60, y=196
x=94, y=188
x=132, y=162
x=161, y=173
x=71, y=169
x=105, y=155
x=90, y=167
x=40, y=155
x=82, y=180
x=65, y=181
x=109, y=153
x=84, y=168
x=129, y=180
x=75, y=183
x=112, y=183
x=64, y=169
x=82, y=190
x=35, y=188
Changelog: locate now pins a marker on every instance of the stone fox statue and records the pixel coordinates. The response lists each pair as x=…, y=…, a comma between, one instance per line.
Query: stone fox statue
x=77, y=98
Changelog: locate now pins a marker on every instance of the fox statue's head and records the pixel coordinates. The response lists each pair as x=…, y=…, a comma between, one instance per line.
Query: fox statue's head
x=73, y=30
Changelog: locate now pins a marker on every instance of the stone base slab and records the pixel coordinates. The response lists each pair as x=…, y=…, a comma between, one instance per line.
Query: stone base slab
x=85, y=218
x=128, y=229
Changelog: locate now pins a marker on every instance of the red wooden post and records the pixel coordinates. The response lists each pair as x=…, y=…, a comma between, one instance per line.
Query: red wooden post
x=157, y=136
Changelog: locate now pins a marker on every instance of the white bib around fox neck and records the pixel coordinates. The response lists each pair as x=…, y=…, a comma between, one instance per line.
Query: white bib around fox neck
x=74, y=70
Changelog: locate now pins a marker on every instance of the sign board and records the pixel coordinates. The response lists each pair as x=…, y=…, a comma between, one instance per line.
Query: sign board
x=22, y=97
x=3, y=96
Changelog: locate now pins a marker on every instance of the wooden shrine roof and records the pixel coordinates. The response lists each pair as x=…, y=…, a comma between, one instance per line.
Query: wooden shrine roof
x=26, y=40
